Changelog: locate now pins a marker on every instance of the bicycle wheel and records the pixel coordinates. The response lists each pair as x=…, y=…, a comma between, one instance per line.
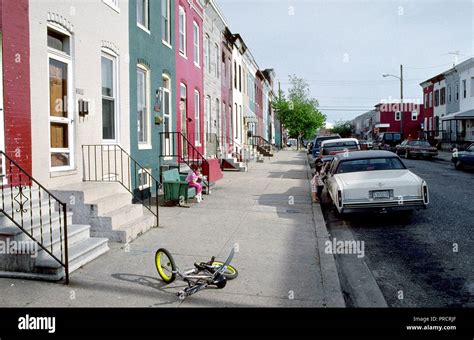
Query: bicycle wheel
x=230, y=273
x=165, y=265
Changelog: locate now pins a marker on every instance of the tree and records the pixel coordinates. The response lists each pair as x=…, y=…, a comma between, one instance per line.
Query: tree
x=297, y=111
x=343, y=128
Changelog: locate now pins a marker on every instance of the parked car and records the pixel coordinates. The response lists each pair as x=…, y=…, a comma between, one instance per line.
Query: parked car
x=416, y=148
x=464, y=159
x=331, y=147
x=374, y=181
x=387, y=141
x=317, y=143
x=291, y=142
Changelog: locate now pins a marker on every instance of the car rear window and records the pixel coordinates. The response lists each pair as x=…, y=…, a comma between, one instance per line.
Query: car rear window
x=370, y=164
x=339, y=146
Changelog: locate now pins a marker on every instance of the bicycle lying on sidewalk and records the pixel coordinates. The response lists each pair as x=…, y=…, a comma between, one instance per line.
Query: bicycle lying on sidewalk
x=204, y=274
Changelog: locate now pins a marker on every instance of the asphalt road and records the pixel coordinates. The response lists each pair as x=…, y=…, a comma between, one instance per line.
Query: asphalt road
x=425, y=259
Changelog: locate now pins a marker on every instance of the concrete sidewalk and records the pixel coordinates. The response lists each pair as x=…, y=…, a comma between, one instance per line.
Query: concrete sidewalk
x=266, y=212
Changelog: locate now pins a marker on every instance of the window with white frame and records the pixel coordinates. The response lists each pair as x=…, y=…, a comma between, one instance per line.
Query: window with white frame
x=426, y=100
x=456, y=86
x=449, y=93
x=472, y=86
x=207, y=116
x=464, y=88
x=430, y=100
x=398, y=115
x=144, y=179
x=197, y=119
x=166, y=21
x=142, y=14
x=217, y=59
x=414, y=115
x=182, y=30
x=60, y=95
x=109, y=97
x=167, y=117
x=207, y=53
x=143, y=107
x=196, y=43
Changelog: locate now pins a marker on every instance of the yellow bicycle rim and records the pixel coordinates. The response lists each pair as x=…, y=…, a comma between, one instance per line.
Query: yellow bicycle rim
x=229, y=269
x=160, y=268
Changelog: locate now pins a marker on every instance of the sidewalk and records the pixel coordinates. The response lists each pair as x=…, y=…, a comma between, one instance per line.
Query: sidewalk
x=266, y=212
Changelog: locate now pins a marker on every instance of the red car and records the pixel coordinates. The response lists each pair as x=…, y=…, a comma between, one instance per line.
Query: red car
x=416, y=148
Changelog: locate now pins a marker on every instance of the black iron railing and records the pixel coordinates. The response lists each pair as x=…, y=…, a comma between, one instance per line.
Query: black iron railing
x=233, y=148
x=259, y=141
x=177, y=146
x=111, y=163
x=37, y=212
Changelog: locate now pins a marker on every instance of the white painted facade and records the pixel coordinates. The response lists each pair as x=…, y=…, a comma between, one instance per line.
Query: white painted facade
x=94, y=37
x=440, y=110
x=237, y=108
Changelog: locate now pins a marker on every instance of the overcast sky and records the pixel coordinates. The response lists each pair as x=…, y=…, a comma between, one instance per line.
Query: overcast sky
x=342, y=47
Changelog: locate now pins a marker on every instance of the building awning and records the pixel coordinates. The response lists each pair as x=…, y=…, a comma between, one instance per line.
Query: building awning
x=381, y=126
x=469, y=114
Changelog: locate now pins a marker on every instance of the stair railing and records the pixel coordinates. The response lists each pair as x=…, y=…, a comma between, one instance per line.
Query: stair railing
x=176, y=145
x=111, y=163
x=44, y=221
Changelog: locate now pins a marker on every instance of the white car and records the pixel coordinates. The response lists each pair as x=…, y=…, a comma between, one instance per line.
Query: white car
x=374, y=180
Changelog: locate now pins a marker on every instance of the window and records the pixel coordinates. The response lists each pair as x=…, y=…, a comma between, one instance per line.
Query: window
x=182, y=31
x=398, y=116
x=109, y=94
x=235, y=74
x=143, y=107
x=414, y=115
x=464, y=88
x=197, y=120
x=449, y=93
x=217, y=54
x=207, y=53
x=472, y=86
x=207, y=116
x=240, y=78
x=142, y=14
x=166, y=22
x=196, y=43
x=60, y=100
x=442, y=100
x=167, y=117
x=456, y=89
x=217, y=120
x=430, y=100
x=144, y=179
x=437, y=98
x=426, y=99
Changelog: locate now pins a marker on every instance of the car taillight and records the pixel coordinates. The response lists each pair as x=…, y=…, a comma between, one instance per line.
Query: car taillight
x=426, y=198
x=339, y=198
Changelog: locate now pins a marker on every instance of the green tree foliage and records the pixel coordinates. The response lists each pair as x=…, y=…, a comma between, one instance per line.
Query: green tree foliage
x=343, y=128
x=297, y=111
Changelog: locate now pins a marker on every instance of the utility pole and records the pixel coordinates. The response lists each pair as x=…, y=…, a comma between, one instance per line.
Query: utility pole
x=401, y=100
x=281, y=127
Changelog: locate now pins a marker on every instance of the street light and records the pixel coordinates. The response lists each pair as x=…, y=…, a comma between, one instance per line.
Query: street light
x=401, y=95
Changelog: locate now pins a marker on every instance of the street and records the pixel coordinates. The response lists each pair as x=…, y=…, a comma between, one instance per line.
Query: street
x=424, y=259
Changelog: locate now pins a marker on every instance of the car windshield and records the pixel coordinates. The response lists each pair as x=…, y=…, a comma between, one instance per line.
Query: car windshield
x=339, y=146
x=419, y=143
x=471, y=148
x=370, y=164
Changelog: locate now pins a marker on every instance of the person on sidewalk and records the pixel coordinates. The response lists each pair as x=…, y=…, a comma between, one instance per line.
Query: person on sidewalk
x=193, y=180
x=317, y=183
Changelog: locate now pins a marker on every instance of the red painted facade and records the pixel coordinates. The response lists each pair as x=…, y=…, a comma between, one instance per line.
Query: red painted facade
x=411, y=128
x=259, y=103
x=189, y=74
x=428, y=108
x=14, y=26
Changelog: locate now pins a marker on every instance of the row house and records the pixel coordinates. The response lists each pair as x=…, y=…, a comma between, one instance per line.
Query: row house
x=389, y=117
x=97, y=99
x=449, y=101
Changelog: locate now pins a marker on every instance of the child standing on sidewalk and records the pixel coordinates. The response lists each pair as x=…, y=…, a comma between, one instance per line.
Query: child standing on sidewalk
x=317, y=183
x=193, y=178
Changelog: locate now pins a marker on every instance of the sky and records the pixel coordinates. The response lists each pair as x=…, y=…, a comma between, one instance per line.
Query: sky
x=343, y=47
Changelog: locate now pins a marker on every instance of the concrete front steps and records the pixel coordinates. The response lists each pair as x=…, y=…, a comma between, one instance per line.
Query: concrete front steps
x=108, y=208
x=231, y=162
x=33, y=262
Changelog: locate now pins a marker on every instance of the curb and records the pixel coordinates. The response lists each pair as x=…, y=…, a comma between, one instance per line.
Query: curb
x=333, y=296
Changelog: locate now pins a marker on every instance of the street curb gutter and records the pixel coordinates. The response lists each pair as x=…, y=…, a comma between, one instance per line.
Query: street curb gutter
x=333, y=296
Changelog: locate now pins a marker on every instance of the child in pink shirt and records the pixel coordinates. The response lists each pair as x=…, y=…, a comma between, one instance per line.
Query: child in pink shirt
x=193, y=178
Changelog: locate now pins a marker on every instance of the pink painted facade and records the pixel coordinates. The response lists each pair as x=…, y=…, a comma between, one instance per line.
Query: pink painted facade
x=259, y=103
x=189, y=74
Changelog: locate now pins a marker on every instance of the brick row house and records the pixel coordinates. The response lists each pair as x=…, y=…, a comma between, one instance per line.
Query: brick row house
x=449, y=96
x=99, y=98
